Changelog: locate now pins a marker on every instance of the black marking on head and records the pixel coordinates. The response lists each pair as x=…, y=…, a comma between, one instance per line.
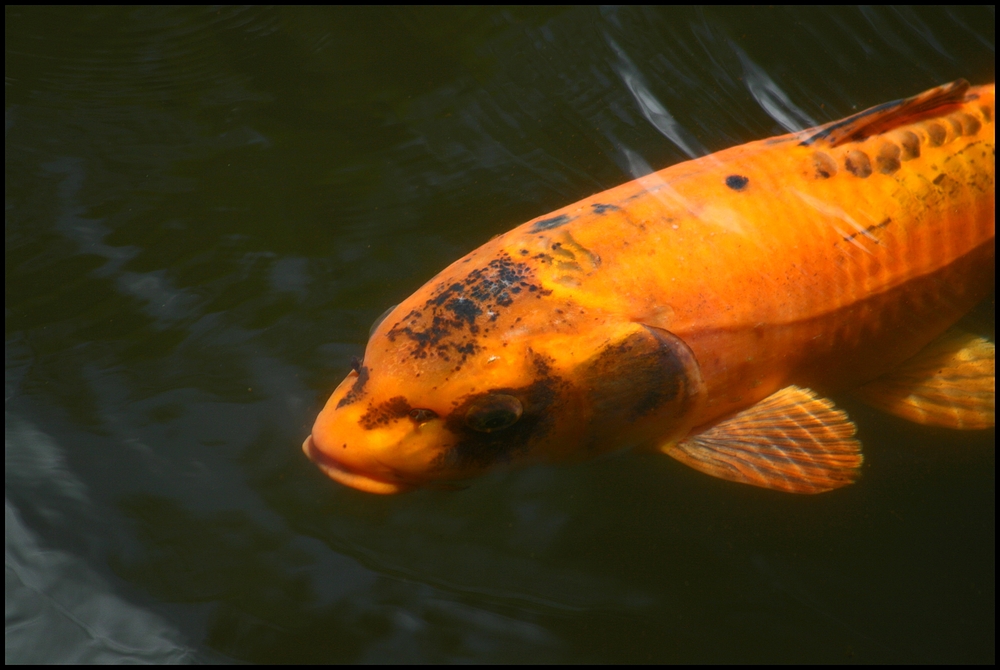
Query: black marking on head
x=549, y=224
x=737, y=182
x=359, y=385
x=494, y=282
x=601, y=208
x=475, y=449
x=465, y=310
x=449, y=322
x=385, y=413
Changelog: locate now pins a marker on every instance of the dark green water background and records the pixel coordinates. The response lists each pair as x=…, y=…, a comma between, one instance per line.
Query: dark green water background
x=206, y=209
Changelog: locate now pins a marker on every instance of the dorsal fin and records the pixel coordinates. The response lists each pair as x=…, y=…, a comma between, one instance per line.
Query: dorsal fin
x=889, y=115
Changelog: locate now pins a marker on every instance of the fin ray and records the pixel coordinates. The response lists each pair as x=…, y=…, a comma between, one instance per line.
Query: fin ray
x=889, y=115
x=950, y=383
x=791, y=441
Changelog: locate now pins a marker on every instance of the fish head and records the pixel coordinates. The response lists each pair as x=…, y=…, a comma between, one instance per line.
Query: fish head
x=390, y=427
x=469, y=375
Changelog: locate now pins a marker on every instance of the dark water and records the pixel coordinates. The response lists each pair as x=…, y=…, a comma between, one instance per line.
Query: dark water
x=205, y=210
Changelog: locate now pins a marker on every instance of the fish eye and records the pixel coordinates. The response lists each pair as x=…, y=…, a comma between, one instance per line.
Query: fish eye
x=493, y=412
x=422, y=415
x=378, y=321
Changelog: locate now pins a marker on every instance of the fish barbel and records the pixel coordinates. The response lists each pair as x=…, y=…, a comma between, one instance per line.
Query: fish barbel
x=705, y=311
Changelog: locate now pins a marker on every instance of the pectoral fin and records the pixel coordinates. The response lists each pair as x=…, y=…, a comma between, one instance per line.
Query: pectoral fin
x=791, y=441
x=950, y=383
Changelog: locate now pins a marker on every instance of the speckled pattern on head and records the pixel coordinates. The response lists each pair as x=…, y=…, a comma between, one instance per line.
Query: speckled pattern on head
x=449, y=323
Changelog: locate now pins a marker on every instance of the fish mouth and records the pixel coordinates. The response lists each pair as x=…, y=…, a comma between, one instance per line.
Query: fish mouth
x=341, y=473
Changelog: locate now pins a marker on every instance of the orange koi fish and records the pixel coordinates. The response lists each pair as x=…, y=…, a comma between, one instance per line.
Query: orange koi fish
x=705, y=311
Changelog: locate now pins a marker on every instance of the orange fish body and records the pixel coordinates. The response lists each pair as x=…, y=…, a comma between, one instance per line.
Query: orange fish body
x=702, y=310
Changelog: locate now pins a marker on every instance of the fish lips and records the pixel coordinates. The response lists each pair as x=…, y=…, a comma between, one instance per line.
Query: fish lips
x=343, y=474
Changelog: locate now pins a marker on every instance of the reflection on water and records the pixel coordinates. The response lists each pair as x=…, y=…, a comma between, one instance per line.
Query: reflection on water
x=206, y=209
x=59, y=610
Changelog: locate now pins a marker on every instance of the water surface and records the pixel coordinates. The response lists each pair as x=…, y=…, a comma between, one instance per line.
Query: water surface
x=206, y=209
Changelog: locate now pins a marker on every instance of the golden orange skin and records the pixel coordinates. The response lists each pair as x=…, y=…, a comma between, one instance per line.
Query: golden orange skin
x=775, y=262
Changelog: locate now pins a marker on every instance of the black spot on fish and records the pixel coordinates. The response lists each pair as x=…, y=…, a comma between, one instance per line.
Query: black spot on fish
x=449, y=322
x=869, y=229
x=495, y=281
x=601, y=208
x=910, y=145
x=466, y=310
x=443, y=296
x=466, y=349
x=824, y=164
x=385, y=413
x=938, y=179
x=476, y=449
x=357, y=389
x=970, y=124
x=737, y=182
x=936, y=134
x=887, y=160
x=858, y=164
x=954, y=124
x=549, y=224
x=634, y=377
